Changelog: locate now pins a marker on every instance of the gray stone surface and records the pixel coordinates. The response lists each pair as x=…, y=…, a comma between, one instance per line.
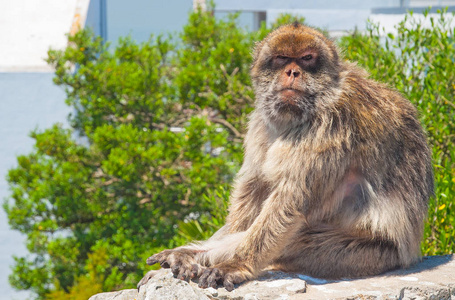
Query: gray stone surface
x=433, y=278
x=165, y=286
x=120, y=295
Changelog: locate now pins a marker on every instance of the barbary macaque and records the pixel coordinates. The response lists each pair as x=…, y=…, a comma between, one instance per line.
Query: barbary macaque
x=336, y=175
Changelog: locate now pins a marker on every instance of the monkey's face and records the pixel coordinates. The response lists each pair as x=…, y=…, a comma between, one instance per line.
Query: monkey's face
x=294, y=66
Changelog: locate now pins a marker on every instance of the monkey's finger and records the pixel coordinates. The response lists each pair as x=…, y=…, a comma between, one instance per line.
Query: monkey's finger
x=184, y=274
x=165, y=264
x=163, y=260
x=153, y=259
x=194, y=270
x=228, y=283
x=203, y=279
x=175, y=269
x=159, y=257
x=214, y=277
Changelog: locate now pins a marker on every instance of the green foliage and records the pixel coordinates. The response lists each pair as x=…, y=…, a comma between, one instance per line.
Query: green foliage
x=155, y=141
x=86, y=285
x=417, y=61
x=284, y=19
x=201, y=227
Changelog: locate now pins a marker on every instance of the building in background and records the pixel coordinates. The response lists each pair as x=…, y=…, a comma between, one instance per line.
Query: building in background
x=139, y=18
x=337, y=17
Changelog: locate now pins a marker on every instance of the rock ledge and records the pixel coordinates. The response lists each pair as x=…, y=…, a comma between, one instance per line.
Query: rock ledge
x=433, y=278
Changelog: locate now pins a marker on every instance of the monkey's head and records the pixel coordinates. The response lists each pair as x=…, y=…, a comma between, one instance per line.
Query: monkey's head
x=294, y=69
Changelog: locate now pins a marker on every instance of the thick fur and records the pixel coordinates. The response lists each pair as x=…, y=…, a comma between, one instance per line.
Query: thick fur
x=336, y=176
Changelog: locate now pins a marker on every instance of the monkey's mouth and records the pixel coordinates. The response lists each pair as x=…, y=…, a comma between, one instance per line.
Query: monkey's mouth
x=290, y=90
x=290, y=96
x=289, y=101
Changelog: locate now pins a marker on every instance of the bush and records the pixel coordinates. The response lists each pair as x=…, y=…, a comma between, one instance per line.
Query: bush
x=155, y=141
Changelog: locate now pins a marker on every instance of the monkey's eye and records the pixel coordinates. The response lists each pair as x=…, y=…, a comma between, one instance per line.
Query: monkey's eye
x=307, y=57
x=281, y=58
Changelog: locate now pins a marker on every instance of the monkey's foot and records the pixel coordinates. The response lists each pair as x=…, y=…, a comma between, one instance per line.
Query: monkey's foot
x=181, y=262
x=225, y=275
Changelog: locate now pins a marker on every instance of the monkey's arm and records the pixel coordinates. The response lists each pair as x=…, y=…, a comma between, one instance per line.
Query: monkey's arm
x=190, y=260
x=277, y=221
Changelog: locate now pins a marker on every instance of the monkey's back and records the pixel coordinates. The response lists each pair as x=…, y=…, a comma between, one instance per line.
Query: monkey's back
x=390, y=150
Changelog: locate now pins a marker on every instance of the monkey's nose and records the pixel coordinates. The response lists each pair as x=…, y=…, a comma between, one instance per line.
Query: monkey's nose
x=293, y=73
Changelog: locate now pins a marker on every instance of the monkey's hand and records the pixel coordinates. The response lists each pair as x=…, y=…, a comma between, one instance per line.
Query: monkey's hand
x=182, y=262
x=226, y=274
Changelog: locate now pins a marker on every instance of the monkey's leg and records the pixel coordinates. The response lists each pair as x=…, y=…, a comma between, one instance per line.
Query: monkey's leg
x=332, y=253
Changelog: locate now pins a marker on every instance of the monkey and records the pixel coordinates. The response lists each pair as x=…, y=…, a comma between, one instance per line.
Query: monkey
x=336, y=176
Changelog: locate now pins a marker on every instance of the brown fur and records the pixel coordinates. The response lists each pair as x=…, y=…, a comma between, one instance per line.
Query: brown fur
x=336, y=177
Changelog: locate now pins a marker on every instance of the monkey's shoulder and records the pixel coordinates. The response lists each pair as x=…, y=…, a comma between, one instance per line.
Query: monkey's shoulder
x=374, y=108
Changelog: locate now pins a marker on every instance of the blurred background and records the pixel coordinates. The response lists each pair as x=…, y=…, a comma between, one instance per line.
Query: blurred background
x=29, y=100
